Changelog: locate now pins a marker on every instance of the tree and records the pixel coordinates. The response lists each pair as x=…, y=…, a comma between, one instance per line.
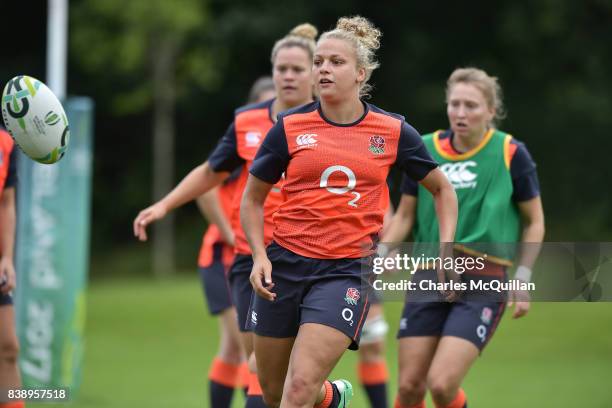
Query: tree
x=146, y=42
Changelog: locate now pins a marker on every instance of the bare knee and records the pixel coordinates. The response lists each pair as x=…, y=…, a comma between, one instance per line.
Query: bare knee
x=411, y=390
x=443, y=389
x=300, y=389
x=272, y=391
x=272, y=401
x=9, y=350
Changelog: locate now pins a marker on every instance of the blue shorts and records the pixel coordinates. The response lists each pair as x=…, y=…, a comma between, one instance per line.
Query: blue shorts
x=6, y=300
x=241, y=288
x=332, y=292
x=214, y=283
x=469, y=319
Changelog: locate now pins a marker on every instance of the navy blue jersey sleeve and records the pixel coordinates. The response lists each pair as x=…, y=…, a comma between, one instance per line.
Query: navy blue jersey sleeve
x=524, y=174
x=412, y=155
x=409, y=186
x=225, y=156
x=11, y=177
x=272, y=157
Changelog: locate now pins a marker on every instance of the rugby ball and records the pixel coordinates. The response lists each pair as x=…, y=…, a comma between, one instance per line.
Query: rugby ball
x=36, y=119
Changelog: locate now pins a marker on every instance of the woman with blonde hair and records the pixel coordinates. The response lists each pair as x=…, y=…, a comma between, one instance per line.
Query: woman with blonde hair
x=292, y=74
x=312, y=282
x=214, y=262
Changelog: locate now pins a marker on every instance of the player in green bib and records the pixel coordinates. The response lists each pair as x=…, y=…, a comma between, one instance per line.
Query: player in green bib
x=498, y=193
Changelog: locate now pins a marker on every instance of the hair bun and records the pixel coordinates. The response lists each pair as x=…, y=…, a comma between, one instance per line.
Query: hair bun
x=305, y=30
x=363, y=29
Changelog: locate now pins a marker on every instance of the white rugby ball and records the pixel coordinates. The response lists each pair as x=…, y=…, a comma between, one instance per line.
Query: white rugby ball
x=36, y=119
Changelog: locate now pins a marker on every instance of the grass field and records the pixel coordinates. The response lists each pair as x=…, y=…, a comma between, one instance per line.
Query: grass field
x=149, y=344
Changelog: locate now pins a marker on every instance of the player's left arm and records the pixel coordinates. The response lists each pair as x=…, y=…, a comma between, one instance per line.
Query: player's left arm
x=527, y=197
x=532, y=218
x=419, y=165
x=7, y=239
x=445, y=200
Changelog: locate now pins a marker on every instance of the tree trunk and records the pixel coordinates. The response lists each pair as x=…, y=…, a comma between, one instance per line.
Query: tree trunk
x=164, y=96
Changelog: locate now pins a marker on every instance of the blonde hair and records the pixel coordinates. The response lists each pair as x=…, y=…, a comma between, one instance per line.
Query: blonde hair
x=488, y=85
x=302, y=36
x=365, y=39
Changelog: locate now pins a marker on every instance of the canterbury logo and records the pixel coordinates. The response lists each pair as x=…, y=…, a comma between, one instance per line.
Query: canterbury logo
x=306, y=140
x=459, y=174
x=252, y=139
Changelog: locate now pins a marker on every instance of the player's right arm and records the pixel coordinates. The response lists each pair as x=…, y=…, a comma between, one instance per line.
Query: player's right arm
x=210, y=207
x=252, y=219
x=222, y=161
x=271, y=161
x=197, y=182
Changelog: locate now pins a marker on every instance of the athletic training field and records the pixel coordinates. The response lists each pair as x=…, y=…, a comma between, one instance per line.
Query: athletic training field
x=149, y=344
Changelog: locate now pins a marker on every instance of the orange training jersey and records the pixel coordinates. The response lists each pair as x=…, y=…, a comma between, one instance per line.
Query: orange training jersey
x=212, y=235
x=238, y=147
x=335, y=186
x=7, y=160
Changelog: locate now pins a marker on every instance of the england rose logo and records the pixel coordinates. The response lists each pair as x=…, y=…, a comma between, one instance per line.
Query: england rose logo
x=352, y=296
x=487, y=315
x=377, y=144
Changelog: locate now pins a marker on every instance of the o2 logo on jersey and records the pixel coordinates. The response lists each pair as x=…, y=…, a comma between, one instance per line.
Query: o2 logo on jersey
x=352, y=182
x=347, y=315
x=481, y=332
x=459, y=174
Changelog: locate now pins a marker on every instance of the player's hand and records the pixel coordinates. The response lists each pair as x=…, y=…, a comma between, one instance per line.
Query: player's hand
x=451, y=295
x=520, y=299
x=448, y=276
x=452, y=278
x=147, y=216
x=261, y=278
x=7, y=276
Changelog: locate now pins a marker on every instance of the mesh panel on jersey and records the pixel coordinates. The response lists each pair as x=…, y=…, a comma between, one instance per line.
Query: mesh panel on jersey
x=335, y=220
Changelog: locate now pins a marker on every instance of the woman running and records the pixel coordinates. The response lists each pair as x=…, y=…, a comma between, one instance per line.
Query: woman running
x=292, y=74
x=499, y=203
x=312, y=282
x=228, y=369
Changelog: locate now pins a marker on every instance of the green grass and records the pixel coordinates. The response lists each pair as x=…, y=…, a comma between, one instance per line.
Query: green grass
x=149, y=344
